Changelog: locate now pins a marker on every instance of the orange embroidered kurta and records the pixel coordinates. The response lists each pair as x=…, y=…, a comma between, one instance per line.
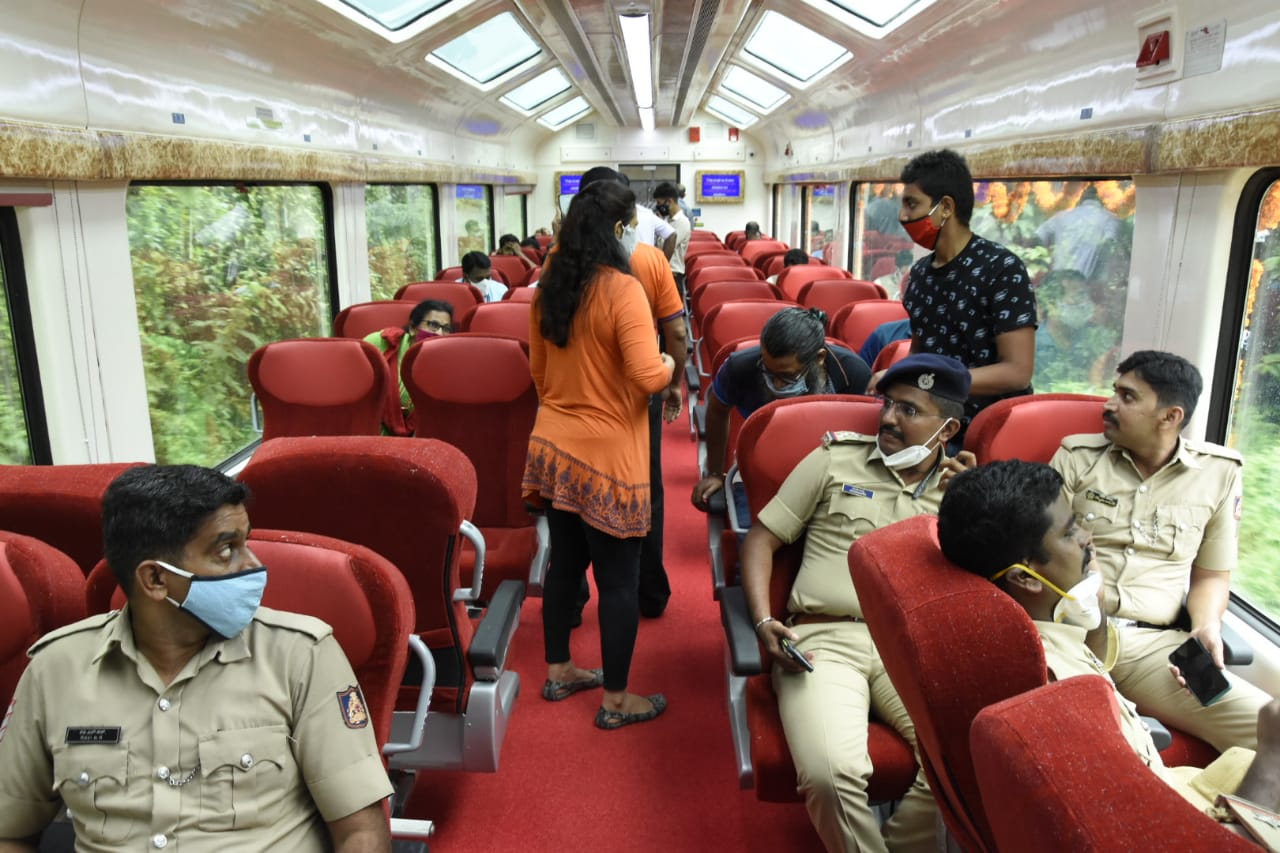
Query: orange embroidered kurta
x=589, y=451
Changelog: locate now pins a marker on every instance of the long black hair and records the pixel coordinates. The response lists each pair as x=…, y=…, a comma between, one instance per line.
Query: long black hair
x=586, y=243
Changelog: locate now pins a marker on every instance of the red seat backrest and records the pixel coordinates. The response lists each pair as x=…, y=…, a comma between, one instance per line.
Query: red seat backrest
x=952, y=643
x=793, y=278
x=460, y=294
x=706, y=274
x=508, y=319
x=718, y=258
x=753, y=249
x=534, y=275
x=319, y=386
x=832, y=294
x=855, y=322
x=891, y=355
x=449, y=274
x=520, y=294
x=365, y=318
x=1031, y=427
x=1027, y=750
x=405, y=498
x=60, y=505
x=883, y=265
x=532, y=254
x=512, y=267
x=41, y=589
x=544, y=240
x=733, y=237
x=361, y=595
x=766, y=260
x=706, y=247
x=699, y=236
x=719, y=292
x=729, y=321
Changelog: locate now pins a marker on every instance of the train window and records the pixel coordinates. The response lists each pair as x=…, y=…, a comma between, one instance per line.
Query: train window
x=404, y=237
x=820, y=240
x=795, y=51
x=515, y=215
x=24, y=438
x=1075, y=238
x=1254, y=425
x=218, y=271
x=473, y=208
x=487, y=52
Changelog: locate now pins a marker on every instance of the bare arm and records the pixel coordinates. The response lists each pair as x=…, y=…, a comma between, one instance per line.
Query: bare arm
x=676, y=337
x=669, y=245
x=757, y=570
x=1017, y=350
x=365, y=831
x=19, y=846
x=1206, y=602
x=717, y=441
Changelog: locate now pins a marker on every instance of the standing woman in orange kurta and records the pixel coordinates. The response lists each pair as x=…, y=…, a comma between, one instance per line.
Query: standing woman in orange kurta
x=595, y=361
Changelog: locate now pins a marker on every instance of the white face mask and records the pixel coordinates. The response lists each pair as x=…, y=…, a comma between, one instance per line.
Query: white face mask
x=629, y=239
x=1079, y=606
x=909, y=457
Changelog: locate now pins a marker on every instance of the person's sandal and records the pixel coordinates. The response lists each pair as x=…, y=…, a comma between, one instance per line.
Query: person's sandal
x=606, y=719
x=554, y=691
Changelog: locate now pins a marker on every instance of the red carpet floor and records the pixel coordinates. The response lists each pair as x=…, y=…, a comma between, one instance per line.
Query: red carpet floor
x=667, y=785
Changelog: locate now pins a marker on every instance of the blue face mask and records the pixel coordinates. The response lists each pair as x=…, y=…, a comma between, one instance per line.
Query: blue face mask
x=797, y=387
x=225, y=603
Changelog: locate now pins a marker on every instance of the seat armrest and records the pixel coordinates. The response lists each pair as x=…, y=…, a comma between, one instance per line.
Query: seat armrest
x=473, y=535
x=419, y=727
x=744, y=646
x=1160, y=735
x=488, y=652
x=1236, y=651
x=691, y=376
x=700, y=419
x=406, y=829
x=718, y=504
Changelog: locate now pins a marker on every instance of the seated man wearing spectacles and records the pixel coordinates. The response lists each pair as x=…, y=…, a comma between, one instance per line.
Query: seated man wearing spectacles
x=849, y=486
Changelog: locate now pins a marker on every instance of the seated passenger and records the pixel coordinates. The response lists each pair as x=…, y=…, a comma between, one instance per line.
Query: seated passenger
x=849, y=486
x=1164, y=512
x=881, y=337
x=197, y=691
x=793, y=360
x=793, y=257
x=476, y=269
x=753, y=231
x=510, y=244
x=1011, y=522
x=429, y=318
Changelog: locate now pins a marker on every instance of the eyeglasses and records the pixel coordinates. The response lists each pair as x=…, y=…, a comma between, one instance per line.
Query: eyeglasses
x=907, y=411
x=433, y=326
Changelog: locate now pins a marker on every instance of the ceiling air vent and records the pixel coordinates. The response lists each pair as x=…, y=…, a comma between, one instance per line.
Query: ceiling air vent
x=585, y=130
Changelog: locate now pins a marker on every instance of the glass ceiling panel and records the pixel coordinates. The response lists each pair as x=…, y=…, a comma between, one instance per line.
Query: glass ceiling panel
x=730, y=111
x=394, y=14
x=879, y=13
x=795, y=50
x=538, y=91
x=565, y=113
x=489, y=50
x=755, y=89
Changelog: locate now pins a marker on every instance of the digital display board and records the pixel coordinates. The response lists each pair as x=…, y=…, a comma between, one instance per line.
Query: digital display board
x=570, y=184
x=472, y=191
x=719, y=187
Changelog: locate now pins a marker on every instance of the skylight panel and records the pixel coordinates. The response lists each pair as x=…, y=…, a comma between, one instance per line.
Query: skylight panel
x=753, y=88
x=488, y=51
x=729, y=111
x=529, y=96
x=396, y=20
x=394, y=14
x=795, y=50
x=567, y=112
x=874, y=18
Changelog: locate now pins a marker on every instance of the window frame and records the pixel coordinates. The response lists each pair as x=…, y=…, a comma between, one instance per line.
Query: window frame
x=24, y=339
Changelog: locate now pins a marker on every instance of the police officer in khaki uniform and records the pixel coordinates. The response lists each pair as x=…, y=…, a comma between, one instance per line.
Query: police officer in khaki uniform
x=1164, y=513
x=192, y=719
x=850, y=485
x=1011, y=523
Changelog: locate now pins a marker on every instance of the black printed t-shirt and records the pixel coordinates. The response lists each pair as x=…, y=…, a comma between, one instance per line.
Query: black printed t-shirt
x=959, y=309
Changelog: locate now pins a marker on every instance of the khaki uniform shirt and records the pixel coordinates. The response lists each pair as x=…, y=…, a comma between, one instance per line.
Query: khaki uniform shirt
x=1067, y=656
x=1149, y=533
x=255, y=745
x=837, y=493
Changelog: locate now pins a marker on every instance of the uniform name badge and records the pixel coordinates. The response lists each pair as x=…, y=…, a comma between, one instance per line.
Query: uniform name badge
x=355, y=713
x=1099, y=497
x=92, y=734
x=857, y=491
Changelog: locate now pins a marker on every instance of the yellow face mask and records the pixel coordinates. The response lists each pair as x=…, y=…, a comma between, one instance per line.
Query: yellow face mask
x=1077, y=606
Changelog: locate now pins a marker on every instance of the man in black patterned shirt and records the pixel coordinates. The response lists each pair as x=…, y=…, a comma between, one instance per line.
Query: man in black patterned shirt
x=970, y=298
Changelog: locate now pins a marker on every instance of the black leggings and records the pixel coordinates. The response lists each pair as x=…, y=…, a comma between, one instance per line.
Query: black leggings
x=574, y=545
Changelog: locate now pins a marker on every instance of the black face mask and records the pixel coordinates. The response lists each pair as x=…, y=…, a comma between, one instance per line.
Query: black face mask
x=663, y=209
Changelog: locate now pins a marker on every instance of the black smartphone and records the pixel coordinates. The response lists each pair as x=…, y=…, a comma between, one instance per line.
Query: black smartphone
x=1205, y=681
x=795, y=654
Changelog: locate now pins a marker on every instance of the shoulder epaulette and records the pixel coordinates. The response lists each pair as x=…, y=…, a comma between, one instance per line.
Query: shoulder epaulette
x=92, y=623
x=1086, y=439
x=315, y=628
x=845, y=437
x=1211, y=449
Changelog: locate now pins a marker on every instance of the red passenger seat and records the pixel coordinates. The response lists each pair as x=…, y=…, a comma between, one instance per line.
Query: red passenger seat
x=855, y=322
x=41, y=589
x=365, y=318
x=319, y=386
x=60, y=505
x=454, y=274
x=476, y=393
x=460, y=294
x=1031, y=427
x=831, y=295
x=732, y=320
x=511, y=267
x=704, y=275
x=509, y=319
x=792, y=279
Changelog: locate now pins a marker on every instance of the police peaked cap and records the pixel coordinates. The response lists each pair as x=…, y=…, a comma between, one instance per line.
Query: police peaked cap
x=941, y=375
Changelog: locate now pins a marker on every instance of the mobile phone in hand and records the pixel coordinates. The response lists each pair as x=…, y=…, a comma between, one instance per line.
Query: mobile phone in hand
x=795, y=654
x=1205, y=681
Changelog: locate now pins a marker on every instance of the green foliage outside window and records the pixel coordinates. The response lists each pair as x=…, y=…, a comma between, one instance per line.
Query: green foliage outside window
x=15, y=445
x=402, y=236
x=218, y=271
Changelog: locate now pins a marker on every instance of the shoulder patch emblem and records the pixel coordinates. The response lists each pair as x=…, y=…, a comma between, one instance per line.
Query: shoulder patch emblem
x=925, y=381
x=355, y=713
x=8, y=715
